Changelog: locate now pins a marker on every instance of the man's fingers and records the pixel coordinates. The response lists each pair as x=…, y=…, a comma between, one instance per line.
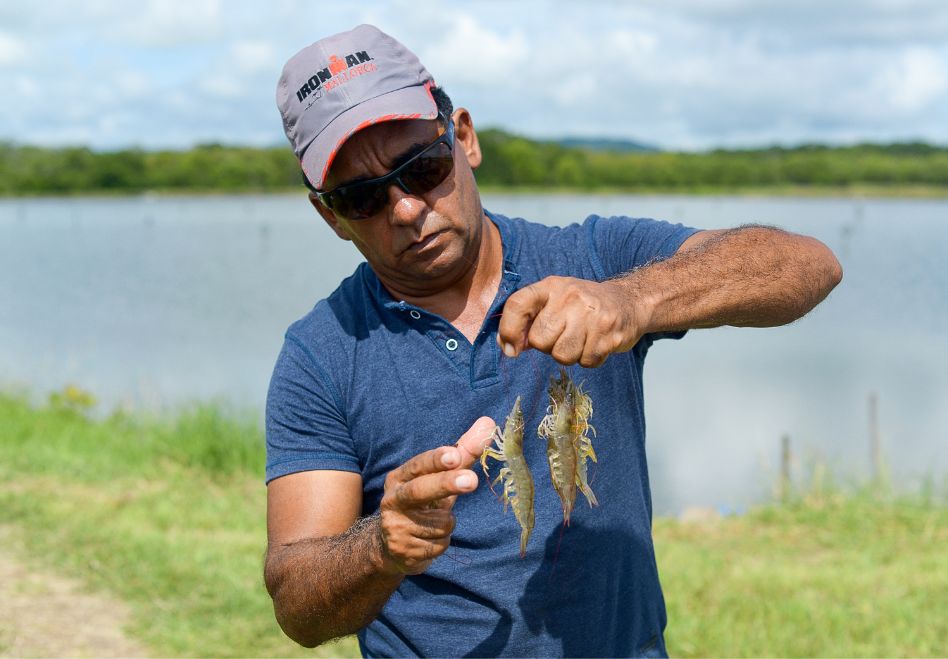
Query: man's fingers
x=433, y=524
x=413, y=547
x=429, y=462
x=519, y=311
x=416, y=519
x=428, y=488
x=475, y=440
x=463, y=454
x=594, y=355
x=570, y=345
x=571, y=319
x=545, y=330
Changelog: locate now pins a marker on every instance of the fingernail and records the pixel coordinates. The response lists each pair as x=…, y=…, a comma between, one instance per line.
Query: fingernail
x=509, y=350
x=449, y=459
x=464, y=481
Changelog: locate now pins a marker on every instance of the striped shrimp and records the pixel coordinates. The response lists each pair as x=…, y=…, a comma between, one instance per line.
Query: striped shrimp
x=582, y=442
x=568, y=446
x=515, y=474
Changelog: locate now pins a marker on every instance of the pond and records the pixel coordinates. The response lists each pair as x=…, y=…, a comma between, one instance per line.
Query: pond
x=150, y=302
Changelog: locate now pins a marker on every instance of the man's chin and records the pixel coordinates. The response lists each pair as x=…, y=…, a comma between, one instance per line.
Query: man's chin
x=432, y=265
x=438, y=252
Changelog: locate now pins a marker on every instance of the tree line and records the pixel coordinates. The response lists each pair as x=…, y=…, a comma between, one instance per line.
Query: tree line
x=510, y=161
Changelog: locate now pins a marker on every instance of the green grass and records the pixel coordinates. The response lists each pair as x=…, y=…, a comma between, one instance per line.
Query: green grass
x=838, y=575
x=167, y=513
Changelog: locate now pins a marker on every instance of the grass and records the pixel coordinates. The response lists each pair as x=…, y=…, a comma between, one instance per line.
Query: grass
x=843, y=575
x=168, y=512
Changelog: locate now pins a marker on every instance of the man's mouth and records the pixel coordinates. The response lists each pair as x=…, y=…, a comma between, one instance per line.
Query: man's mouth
x=423, y=242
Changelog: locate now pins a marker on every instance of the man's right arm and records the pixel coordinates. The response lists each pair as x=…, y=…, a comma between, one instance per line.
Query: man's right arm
x=328, y=571
x=318, y=548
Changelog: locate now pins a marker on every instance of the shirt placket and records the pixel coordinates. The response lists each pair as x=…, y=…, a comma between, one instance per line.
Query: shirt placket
x=485, y=358
x=445, y=337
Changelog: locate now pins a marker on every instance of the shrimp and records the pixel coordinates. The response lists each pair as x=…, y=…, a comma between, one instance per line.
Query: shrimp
x=568, y=446
x=556, y=428
x=583, y=443
x=515, y=474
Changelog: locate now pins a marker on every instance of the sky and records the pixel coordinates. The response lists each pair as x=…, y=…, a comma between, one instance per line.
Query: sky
x=677, y=74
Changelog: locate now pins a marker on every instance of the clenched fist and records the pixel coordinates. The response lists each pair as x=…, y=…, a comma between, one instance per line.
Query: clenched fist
x=573, y=320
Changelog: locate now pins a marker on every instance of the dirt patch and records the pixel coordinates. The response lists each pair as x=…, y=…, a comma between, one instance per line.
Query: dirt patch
x=43, y=614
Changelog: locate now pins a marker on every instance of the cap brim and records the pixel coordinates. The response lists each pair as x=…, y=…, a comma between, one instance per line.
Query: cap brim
x=414, y=102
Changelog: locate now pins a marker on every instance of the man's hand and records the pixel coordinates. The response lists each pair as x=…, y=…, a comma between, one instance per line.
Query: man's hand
x=751, y=276
x=573, y=320
x=416, y=521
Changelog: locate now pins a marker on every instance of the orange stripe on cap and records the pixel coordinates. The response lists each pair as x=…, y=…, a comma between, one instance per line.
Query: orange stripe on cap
x=364, y=124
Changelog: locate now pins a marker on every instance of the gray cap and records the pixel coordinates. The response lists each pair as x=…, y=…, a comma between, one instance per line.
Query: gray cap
x=343, y=83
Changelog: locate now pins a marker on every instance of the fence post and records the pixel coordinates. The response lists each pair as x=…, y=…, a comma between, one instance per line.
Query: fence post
x=875, y=455
x=785, y=467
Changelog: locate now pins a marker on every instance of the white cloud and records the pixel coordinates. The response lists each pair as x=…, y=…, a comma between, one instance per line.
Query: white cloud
x=224, y=87
x=841, y=22
x=169, y=23
x=12, y=50
x=253, y=56
x=25, y=86
x=132, y=83
x=470, y=53
x=677, y=73
x=630, y=42
x=915, y=79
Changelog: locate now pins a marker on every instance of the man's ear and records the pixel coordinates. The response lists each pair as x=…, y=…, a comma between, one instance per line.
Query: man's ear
x=330, y=217
x=466, y=137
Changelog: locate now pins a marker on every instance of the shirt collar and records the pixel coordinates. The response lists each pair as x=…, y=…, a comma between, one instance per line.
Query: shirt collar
x=509, y=242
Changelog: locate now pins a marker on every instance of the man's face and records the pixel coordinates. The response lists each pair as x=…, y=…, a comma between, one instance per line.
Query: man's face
x=419, y=243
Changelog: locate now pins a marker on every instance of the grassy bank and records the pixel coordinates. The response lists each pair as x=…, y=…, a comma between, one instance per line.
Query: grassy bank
x=834, y=575
x=168, y=514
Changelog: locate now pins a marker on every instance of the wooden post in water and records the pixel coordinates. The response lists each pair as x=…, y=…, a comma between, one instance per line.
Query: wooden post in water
x=785, y=467
x=875, y=450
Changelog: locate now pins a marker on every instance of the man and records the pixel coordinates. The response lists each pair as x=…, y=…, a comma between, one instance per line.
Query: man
x=386, y=392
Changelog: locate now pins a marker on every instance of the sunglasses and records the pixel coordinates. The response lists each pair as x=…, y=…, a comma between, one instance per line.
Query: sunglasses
x=419, y=174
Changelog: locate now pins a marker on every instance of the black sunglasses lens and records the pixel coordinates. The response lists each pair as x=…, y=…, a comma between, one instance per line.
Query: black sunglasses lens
x=358, y=202
x=423, y=174
x=428, y=170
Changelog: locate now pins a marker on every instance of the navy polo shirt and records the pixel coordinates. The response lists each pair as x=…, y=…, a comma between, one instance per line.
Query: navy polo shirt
x=364, y=382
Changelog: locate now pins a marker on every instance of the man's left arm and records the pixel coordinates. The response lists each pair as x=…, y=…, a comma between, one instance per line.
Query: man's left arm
x=751, y=276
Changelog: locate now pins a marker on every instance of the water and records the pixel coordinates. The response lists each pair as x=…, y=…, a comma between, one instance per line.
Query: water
x=150, y=302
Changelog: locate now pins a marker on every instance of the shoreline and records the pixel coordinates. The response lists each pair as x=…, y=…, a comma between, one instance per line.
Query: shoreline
x=869, y=191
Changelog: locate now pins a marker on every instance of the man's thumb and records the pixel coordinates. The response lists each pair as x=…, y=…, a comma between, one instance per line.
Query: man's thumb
x=475, y=440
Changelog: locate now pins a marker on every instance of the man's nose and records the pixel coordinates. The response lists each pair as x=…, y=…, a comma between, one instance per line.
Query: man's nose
x=404, y=208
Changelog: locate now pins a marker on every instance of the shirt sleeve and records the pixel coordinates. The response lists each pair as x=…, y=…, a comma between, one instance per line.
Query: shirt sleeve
x=621, y=244
x=305, y=423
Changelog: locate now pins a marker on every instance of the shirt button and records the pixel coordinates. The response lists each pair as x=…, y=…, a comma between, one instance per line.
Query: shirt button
x=451, y=345
x=414, y=314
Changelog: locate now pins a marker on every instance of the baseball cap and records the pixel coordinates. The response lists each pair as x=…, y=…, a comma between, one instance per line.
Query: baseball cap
x=344, y=83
